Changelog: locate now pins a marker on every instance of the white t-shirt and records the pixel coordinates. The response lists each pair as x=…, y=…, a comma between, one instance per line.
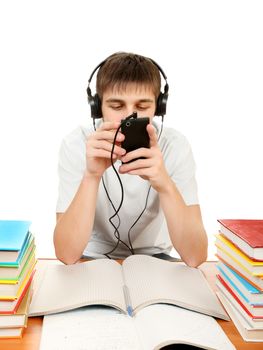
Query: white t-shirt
x=149, y=235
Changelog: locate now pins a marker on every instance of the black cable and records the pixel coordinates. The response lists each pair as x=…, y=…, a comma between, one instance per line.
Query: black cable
x=116, y=228
x=135, y=222
x=146, y=201
x=122, y=192
x=147, y=196
x=116, y=232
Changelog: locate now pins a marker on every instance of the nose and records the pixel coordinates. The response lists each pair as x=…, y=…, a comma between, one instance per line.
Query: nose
x=130, y=109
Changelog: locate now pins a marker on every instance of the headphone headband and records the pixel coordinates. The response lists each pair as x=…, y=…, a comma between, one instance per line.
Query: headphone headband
x=95, y=103
x=94, y=70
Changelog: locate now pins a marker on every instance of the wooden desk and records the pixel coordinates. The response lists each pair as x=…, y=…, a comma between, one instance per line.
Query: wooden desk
x=32, y=334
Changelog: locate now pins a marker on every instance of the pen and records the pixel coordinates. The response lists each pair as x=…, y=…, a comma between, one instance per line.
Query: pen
x=127, y=300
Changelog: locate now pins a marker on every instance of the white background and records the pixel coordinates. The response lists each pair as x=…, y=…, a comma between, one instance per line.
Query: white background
x=212, y=53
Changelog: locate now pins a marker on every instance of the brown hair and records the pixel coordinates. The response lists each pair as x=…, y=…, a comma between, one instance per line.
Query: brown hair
x=122, y=68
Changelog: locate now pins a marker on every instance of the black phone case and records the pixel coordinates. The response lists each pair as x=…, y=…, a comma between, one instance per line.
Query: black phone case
x=136, y=135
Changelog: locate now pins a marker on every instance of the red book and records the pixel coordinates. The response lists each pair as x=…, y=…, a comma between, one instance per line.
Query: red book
x=247, y=235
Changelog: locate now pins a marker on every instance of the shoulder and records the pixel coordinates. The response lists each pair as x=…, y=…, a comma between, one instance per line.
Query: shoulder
x=174, y=136
x=76, y=137
x=73, y=145
x=177, y=152
x=173, y=143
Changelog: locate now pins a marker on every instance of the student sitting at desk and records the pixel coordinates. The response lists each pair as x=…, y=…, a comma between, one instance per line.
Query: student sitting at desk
x=115, y=203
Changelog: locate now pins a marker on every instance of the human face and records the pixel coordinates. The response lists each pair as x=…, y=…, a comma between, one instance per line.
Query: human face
x=117, y=105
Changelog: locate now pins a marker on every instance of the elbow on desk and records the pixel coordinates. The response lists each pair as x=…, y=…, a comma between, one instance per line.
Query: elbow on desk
x=66, y=259
x=64, y=255
x=196, y=261
x=199, y=253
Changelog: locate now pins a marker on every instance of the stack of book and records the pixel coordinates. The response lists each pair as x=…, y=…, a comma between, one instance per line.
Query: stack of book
x=17, y=262
x=240, y=274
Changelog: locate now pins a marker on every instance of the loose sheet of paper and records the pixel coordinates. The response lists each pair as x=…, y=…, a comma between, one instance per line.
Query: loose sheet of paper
x=92, y=328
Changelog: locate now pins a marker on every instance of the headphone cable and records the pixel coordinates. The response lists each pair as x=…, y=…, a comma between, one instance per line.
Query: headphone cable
x=116, y=232
x=146, y=201
x=130, y=247
x=122, y=197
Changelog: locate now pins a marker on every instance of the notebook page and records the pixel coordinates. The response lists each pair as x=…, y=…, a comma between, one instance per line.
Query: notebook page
x=93, y=328
x=65, y=287
x=153, y=280
x=161, y=324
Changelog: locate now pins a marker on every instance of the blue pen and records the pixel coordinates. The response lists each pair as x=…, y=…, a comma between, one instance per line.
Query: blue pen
x=127, y=300
x=129, y=310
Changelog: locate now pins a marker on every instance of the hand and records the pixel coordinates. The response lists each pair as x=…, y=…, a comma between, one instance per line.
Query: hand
x=151, y=168
x=99, y=147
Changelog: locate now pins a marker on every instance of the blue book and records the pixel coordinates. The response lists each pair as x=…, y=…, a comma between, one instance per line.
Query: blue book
x=13, y=238
x=245, y=290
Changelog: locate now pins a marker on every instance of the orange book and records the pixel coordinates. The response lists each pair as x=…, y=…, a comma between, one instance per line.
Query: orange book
x=11, y=306
x=6, y=333
x=254, y=267
x=256, y=281
x=18, y=319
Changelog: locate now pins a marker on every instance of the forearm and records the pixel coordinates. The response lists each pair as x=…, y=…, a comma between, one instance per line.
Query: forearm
x=74, y=227
x=185, y=226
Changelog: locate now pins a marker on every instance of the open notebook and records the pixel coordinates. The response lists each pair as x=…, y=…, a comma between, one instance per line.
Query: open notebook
x=140, y=281
x=155, y=326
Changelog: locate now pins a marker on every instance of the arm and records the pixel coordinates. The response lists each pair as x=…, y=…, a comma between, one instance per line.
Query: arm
x=184, y=222
x=74, y=226
x=185, y=226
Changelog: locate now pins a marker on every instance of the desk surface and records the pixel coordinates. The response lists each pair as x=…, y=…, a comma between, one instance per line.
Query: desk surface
x=32, y=333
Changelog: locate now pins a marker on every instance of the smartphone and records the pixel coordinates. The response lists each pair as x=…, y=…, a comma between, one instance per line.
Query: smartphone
x=136, y=135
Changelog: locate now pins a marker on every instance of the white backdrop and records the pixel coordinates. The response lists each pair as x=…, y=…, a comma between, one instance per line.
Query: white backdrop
x=212, y=53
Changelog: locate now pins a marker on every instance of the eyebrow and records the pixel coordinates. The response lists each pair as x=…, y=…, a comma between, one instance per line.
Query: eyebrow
x=110, y=100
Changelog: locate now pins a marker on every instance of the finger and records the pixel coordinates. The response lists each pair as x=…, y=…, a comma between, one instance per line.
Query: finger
x=144, y=173
x=108, y=135
x=101, y=153
x=139, y=172
x=109, y=126
x=136, y=165
x=107, y=146
x=152, y=135
x=138, y=153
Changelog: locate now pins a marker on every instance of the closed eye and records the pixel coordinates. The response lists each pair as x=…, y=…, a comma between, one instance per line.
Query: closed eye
x=143, y=108
x=116, y=107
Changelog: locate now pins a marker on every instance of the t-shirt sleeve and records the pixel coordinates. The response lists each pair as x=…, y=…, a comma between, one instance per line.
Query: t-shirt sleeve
x=71, y=167
x=182, y=169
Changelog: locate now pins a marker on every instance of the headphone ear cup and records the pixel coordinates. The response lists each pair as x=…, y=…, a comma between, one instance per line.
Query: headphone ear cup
x=95, y=106
x=161, y=104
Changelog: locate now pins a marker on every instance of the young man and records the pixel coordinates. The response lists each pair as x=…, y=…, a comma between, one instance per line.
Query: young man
x=160, y=206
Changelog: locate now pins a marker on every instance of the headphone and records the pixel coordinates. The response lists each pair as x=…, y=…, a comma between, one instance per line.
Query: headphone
x=95, y=102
